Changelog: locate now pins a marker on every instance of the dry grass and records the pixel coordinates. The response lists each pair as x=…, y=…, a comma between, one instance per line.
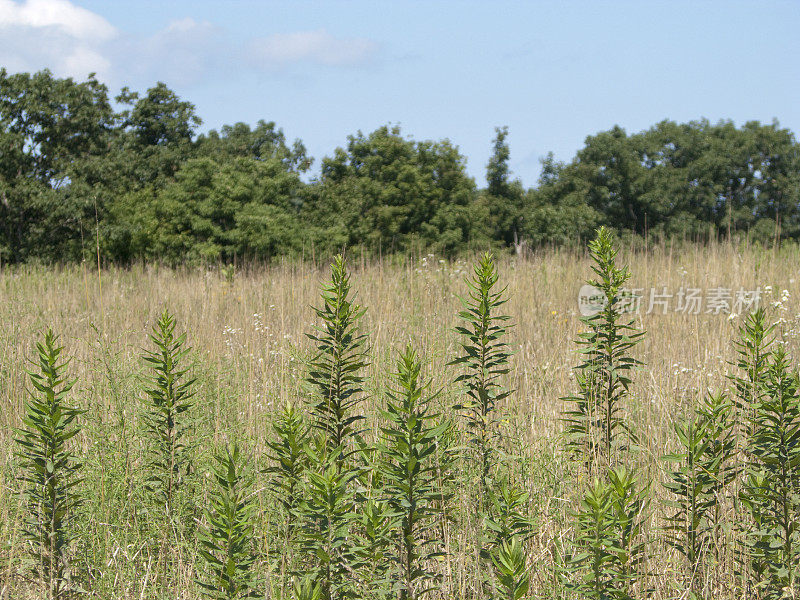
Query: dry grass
x=249, y=341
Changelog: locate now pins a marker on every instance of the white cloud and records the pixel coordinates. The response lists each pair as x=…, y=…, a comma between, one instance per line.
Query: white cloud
x=61, y=14
x=319, y=47
x=54, y=34
x=181, y=53
x=73, y=41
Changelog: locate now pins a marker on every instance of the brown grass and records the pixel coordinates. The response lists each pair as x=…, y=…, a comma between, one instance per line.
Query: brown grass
x=249, y=365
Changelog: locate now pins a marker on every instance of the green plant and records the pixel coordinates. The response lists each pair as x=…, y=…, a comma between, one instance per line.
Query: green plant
x=289, y=464
x=376, y=525
x=720, y=460
x=328, y=511
x=511, y=570
x=508, y=518
x=168, y=398
x=753, y=348
x=409, y=444
x=49, y=470
x=595, y=426
x=485, y=361
x=609, y=546
x=771, y=492
x=306, y=589
x=507, y=529
x=226, y=545
x=335, y=370
x=705, y=466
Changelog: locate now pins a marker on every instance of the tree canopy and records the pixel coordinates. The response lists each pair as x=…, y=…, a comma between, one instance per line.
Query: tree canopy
x=141, y=180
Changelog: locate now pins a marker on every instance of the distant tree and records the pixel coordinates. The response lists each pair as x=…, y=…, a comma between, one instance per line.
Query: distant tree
x=215, y=211
x=261, y=143
x=387, y=193
x=503, y=199
x=49, y=129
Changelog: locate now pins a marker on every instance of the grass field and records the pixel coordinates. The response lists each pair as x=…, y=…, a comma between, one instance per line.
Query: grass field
x=247, y=332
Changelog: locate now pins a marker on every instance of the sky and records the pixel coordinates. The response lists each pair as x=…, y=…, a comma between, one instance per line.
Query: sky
x=553, y=72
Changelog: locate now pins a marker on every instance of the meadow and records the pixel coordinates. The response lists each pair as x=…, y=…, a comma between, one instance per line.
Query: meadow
x=250, y=358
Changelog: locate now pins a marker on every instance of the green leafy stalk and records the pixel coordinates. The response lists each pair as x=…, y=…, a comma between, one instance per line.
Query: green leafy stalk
x=376, y=525
x=705, y=466
x=306, y=589
x=226, y=545
x=335, y=370
x=409, y=445
x=771, y=492
x=485, y=361
x=289, y=464
x=753, y=348
x=48, y=469
x=328, y=510
x=595, y=426
x=609, y=547
x=511, y=570
x=168, y=398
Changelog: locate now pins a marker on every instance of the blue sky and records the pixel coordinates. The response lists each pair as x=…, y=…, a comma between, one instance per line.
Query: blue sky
x=553, y=72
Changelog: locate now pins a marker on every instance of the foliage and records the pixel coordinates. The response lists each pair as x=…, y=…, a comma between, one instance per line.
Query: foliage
x=168, y=397
x=226, y=545
x=507, y=519
x=289, y=464
x=595, y=426
x=409, y=445
x=511, y=570
x=609, y=547
x=334, y=376
x=485, y=361
x=328, y=510
x=75, y=169
x=753, y=348
x=705, y=466
x=771, y=492
x=49, y=471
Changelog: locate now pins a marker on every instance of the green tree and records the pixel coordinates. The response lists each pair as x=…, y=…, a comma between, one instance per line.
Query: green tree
x=388, y=193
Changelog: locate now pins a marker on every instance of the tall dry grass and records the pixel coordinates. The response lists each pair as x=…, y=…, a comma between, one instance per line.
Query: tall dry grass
x=249, y=345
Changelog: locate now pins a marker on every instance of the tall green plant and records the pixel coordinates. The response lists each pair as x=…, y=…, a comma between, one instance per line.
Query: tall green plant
x=704, y=466
x=335, y=371
x=720, y=460
x=226, y=544
x=511, y=570
x=408, y=444
x=771, y=492
x=289, y=464
x=328, y=510
x=168, y=397
x=595, y=425
x=49, y=470
x=508, y=518
x=485, y=361
x=609, y=542
x=376, y=526
x=753, y=348
x=508, y=527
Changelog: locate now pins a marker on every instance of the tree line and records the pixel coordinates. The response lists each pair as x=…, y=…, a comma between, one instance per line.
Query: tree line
x=131, y=176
